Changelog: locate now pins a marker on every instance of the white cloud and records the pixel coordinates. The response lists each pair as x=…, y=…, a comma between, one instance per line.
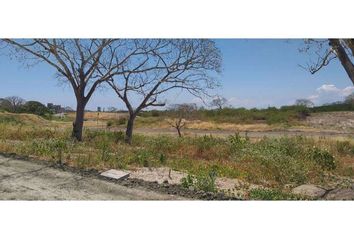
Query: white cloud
x=328, y=93
x=348, y=90
x=328, y=88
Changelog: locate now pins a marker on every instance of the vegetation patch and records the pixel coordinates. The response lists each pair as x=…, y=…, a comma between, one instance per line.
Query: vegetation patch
x=270, y=162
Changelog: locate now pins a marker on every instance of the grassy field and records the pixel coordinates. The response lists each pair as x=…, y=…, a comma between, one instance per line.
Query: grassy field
x=270, y=162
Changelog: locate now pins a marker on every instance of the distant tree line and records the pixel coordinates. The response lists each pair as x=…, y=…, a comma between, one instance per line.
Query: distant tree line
x=180, y=114
x=16, y=104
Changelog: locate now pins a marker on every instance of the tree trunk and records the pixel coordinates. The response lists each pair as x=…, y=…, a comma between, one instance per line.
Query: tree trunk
x=79, y=121
x=179, y=131
x=343, y=57
x=129, y=130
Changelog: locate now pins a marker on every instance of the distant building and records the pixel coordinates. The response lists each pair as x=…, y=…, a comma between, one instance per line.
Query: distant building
x=99, y=109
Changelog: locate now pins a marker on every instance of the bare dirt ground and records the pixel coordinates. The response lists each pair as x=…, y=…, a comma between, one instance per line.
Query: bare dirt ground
x=25, y=180
x=251, y=134
x=343, y=121
x=163, y=175
x=331, y=124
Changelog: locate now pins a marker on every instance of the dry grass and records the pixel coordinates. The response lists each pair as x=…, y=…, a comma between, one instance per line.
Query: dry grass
x=101, y=116
x=229, y=126
x=24, y=118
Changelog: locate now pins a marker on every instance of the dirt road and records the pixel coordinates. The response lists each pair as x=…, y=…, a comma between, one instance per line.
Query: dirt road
x=251, y=134
x=26, y=180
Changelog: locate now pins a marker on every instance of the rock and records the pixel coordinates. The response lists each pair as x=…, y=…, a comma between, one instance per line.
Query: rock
x=309, y=190
x=341, y=194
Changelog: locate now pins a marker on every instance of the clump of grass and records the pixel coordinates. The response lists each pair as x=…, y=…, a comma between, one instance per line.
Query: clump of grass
x=9, y=119
x=53, y=148
x=323, y=158
x=345, y=148
x=121, y=121
x=271, y=194
x=203, y=181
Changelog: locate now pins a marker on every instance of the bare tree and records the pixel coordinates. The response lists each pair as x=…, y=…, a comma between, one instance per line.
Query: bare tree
x=326, y=50
x=304, y=102
x=83, y=63
x=219, y=102
x=112, y=109
x=181, y=112
x=15, y=103
x=179, y=64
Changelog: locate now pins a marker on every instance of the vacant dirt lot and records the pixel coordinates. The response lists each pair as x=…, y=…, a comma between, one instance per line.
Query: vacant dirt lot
x=336, y=120
x=24, y=180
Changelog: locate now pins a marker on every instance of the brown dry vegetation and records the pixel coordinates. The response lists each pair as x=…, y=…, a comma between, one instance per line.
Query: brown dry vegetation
x=267, y=161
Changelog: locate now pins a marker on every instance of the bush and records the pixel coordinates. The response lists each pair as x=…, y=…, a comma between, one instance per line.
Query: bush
x=35, y=107
x=237, y=142
x=323, y=158
x=202, y=181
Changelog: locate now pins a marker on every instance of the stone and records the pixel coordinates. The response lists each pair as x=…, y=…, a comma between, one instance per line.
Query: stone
x=115, y=174
x=341, y=194
x=309, y=190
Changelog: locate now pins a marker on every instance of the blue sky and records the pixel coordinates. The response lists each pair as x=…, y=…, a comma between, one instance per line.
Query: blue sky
x=256, y=73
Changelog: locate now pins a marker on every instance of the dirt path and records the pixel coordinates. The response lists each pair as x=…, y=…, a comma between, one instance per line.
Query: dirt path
x=251, y=134
x=25, y=180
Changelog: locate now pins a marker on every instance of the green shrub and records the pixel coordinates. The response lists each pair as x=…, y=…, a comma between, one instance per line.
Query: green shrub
x=323, y=158
x=237, y=143
x=202, y=181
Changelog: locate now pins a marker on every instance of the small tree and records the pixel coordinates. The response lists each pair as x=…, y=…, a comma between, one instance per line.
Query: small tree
x=304, y=102
x=112, y=109
x=15, y=103
x=181, y=112
x=219, y=102
x=326, y=50
x=83, y=63
x=167, y=65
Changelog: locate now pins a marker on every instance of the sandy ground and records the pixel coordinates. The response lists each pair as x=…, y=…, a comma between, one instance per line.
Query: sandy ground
x=25, y=180
x=343, y=121
x=251, y=134
x=163, y=174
